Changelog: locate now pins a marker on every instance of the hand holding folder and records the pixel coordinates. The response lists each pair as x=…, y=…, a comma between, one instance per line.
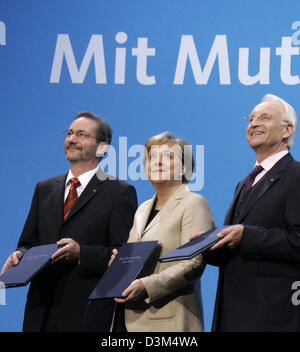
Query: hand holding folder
x=126, y=267
x=12, y=260
x=230, y=237
x=30, y=264
x=196, y=246
x=134, y=291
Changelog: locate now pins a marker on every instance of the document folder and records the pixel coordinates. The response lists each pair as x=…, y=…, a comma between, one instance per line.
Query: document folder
x=194, y=247
x=32, y=262
x=126, y=267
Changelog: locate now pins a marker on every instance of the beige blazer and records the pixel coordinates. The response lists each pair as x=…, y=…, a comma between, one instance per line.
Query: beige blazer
x=171, y=305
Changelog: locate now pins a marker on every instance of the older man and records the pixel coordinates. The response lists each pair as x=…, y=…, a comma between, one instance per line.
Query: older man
x=259, y=258
x=89, y=214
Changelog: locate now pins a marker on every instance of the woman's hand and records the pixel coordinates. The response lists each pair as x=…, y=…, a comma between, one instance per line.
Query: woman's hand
x=195, y=235
x=132, y=293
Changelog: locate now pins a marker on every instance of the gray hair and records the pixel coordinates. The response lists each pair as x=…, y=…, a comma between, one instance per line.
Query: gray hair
x=289, y=115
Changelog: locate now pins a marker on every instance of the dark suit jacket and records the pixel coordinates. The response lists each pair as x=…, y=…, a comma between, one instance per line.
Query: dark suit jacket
x=254, y=289
x=99, y=221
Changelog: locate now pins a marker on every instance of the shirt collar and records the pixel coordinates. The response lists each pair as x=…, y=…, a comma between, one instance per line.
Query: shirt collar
x=85, y=178
x=268, y=163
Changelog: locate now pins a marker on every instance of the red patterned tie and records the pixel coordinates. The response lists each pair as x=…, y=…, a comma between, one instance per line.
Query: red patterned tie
x=72, y=196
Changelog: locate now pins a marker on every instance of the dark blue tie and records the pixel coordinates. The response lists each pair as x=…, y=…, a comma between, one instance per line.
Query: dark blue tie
x=251, y=177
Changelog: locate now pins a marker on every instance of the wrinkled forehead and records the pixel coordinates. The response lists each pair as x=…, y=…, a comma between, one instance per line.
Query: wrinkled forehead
x=268, y=107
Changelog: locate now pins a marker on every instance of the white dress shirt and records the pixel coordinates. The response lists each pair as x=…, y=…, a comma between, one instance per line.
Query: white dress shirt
x=84, y=179
x=268, y=163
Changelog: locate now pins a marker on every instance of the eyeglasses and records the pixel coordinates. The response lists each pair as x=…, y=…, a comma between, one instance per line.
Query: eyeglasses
x=80, y=134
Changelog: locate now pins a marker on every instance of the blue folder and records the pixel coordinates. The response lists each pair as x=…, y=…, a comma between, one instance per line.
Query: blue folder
x=32, y=262
x=194, y=247
x=126, y=267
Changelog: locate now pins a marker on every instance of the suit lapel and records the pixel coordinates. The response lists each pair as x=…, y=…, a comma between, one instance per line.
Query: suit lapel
x=171, y=203
x=58, y=198
x=269, y=179
x=143, y=216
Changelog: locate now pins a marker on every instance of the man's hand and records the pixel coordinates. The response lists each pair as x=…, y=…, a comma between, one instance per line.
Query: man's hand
x=113, y=256
x=230, y=237
x=132, y=293
x=69, y=252
x=13, y=259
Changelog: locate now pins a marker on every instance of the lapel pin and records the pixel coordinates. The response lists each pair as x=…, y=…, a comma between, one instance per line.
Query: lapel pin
x=94, y=190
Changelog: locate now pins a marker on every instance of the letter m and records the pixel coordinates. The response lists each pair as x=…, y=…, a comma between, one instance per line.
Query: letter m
x=64, y=50
x=188, y=50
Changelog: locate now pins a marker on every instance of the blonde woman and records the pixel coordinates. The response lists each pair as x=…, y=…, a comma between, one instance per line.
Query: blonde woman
x=164, y=300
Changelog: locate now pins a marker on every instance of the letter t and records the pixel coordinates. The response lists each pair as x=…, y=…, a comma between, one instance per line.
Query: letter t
x=142, y=52
x=286, y=51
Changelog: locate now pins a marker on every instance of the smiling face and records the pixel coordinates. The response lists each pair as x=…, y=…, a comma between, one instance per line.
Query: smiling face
x=82, y=149
x=267, y=131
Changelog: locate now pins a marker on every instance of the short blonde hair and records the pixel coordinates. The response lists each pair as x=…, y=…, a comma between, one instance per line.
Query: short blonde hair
x=186, y=151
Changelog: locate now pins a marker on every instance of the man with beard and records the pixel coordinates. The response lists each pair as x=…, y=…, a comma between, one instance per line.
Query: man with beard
x=88, y=214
